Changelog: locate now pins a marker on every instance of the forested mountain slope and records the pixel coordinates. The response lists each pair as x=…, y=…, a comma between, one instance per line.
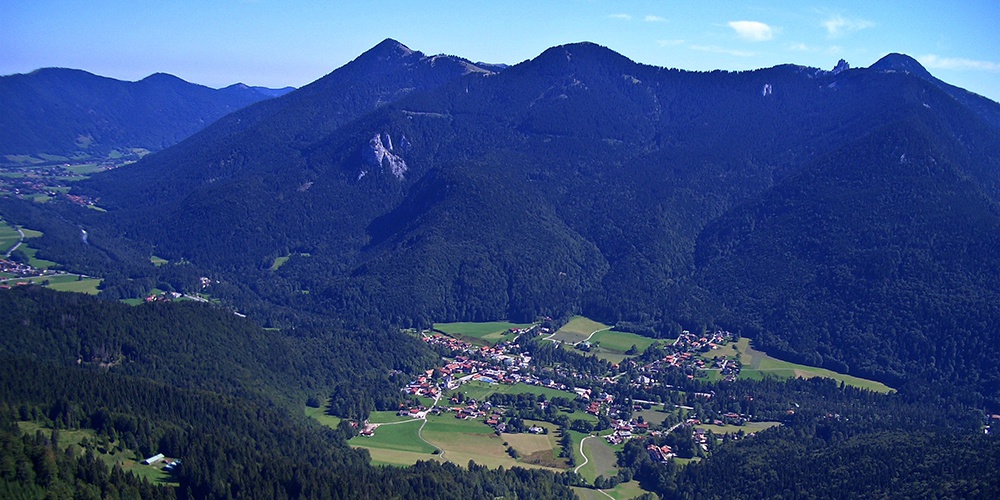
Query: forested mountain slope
x=60, y=111
x=580, y=181
x=270, y=138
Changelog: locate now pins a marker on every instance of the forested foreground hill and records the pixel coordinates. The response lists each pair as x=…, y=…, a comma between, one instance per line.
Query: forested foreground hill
x=65, y=112
x=199, y=346
x=842, y=218
x=200, y=384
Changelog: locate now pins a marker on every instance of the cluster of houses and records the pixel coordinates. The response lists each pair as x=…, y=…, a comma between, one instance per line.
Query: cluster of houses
x=503, y=364
x=16, y=268
x=660, y=453
x=159, y=457
x=423, y=386
x=162, y=297
x=83, y=201
x=623, y=430
x=686, y=357
x=39, y=180
x=692, y=342
x=25, y=186
x=500, y=364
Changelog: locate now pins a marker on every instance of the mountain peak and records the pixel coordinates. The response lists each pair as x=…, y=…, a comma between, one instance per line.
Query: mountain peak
x=163, y=79
x=900, y=62
x=586, y=50
x=389, y=48
x=579, y=55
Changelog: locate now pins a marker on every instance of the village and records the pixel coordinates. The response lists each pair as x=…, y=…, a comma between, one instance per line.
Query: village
x=44, y=182
x=506, y=363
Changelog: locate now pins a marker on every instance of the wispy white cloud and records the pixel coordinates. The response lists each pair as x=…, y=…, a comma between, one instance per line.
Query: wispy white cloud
x=654, y=19
x=838, y=25
x=623, y=17
x=801, y=47
x=669, y=43
x=938, y=62
x=722, y=50
x=754, y=31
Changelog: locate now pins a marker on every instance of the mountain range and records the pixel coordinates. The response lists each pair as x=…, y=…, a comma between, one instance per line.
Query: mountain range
x=841, y=218
x=68, y=112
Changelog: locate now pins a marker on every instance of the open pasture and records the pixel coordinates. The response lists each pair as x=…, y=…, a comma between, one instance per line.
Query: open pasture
x=71, y=283
x=398, y=436
x=747, y=428
x=757, y=364
x=488, y=333
x=578, y=329
x=601, y=459
x=481, y=390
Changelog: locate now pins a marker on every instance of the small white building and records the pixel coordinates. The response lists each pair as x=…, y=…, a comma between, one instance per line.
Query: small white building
x=153, y=459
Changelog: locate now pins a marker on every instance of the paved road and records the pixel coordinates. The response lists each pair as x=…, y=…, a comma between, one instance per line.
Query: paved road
x=585, y=460
x=9, y=252
x=582, y=341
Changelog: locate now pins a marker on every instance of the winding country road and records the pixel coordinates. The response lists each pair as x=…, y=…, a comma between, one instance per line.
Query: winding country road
x=582, y=454
x=582, y=341
x=11, y=251
x=586, y=460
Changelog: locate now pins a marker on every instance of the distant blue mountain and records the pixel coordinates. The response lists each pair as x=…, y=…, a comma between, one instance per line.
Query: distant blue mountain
x=62, y=111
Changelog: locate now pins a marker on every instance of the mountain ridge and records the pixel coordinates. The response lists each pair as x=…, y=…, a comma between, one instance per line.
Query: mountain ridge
x=63, y=111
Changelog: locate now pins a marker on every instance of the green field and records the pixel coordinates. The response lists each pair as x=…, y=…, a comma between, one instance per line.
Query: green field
x=279, y=261
x=757, y=364
x=577, y=330
x=386, y=417
x=34, y=261
x=624, y=491
x=747, y=428
x=480, y=333
x=481, y=390
x=70, y=283
x=124, y=457
x=8, y=238
x=85, y=168
x=157, y=261
x=398, y=436
x=611, y=345
x=31, y=233
x=537, y=449
x=602, y=459
x=653, y=416
x=621, y=341
x=456, y=440
x=320, y=415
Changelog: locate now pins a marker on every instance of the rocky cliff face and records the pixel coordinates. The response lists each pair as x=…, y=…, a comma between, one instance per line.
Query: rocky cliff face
x=379, y=154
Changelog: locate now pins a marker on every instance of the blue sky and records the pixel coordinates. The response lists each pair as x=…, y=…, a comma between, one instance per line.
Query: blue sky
x=293, y=42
